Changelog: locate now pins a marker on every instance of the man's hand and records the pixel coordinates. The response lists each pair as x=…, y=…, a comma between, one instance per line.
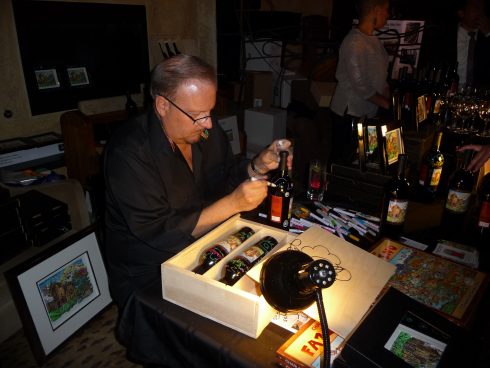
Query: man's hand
x=480, y=158
x=248, y=195
x=268, y=159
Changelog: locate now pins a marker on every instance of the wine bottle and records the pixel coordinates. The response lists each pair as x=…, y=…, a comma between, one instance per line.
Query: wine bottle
x=483, y=221
x=241, y=264
x=280, y=196
x=395, y=202
x=221, y=249
x=458, y=198
x=430, y=171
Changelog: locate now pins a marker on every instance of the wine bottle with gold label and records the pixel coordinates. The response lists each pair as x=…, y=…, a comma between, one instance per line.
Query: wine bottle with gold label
x=430, y=171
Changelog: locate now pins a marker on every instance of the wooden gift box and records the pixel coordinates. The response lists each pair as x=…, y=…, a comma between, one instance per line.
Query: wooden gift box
x=241, y=306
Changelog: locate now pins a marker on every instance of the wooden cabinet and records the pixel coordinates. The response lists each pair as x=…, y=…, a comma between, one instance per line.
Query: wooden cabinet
x=84, y=137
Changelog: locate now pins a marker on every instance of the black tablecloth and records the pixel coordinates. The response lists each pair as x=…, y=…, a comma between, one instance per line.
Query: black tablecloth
x=159, y=332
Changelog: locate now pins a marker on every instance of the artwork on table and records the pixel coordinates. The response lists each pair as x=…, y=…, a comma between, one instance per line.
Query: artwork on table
x=78, y=76
x=394, y=145
x=60, y=290
x=417, y=342
x=47, y=79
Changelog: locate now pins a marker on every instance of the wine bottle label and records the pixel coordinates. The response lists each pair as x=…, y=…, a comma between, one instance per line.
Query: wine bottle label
x=437, y=106
x=484, y=218
x=436, y=176
x=458, y=201
x=397, y=209
x=237, y=266
x=276, y=208
x=214, y=254
x=234, y=240
x=253, y=253
x=421, y=112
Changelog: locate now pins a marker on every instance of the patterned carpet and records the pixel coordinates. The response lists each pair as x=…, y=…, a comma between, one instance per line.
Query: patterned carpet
x=94, y=345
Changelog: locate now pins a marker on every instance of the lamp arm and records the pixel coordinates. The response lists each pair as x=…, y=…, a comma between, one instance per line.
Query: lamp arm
x=324, y=326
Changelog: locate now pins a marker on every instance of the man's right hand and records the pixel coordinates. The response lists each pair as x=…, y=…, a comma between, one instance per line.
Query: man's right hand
x=249, y=194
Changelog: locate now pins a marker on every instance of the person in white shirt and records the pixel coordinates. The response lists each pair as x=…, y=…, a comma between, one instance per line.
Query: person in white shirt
x=362, y=72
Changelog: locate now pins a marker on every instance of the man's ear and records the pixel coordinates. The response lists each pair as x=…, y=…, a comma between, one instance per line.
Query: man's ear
x=161, y=105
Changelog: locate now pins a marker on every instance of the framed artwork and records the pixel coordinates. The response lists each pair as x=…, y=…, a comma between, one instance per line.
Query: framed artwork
x=230, y=126
x=371, y=139
x=47, y=79
x=394, y=145
x=78, y=76
x=60, y=290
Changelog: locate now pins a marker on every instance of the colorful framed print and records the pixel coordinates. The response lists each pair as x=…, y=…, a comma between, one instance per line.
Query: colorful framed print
x=78, y=76
x=60, y=290
x=394, y=145
x=47, y=79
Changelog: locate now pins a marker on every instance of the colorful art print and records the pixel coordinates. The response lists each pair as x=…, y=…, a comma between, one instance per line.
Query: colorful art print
x=77, y=76
x=372, y=139
x=415, y=348
x=47, y=78
x=397, y=210
x=394, y=145
x=68, y=289
x=59, y=290
x=434, y=281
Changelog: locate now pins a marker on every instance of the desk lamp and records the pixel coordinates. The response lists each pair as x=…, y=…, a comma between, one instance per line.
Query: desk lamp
x=291, y=281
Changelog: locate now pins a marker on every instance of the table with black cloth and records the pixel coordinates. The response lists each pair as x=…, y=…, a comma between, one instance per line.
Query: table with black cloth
x=171, y=336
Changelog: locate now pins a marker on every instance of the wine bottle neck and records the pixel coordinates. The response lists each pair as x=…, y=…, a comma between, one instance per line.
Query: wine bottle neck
x=402, y=162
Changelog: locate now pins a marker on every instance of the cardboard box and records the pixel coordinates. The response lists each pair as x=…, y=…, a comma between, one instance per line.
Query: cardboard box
x=263, y=125
x=323, y=92
x=258, y=89
x=240, y=306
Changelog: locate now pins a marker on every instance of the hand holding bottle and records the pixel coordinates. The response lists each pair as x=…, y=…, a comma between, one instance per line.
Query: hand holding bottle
x=480, y=158
x=248, y=195
x=268, y=159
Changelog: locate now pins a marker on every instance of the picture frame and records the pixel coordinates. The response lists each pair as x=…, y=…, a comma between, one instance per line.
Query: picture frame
x=47, y=79
x=371, y=139
x=59, y=290
x=78, y=76
x=394, y=145
x=230, y=127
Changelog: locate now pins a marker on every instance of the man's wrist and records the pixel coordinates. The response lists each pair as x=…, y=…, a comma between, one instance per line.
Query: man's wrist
x=254, y=168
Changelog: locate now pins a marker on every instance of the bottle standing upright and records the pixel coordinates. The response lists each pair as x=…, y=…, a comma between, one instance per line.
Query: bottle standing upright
x=280, y=197
x=241, y=264
x=430, y=171
x=395, y=202
x=458, y=199
x=221, y=249
x=482, y=238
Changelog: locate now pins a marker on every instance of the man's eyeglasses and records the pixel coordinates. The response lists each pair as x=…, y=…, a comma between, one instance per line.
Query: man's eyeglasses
x=199, y=121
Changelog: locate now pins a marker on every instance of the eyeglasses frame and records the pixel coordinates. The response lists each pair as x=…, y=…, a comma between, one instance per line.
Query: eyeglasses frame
x=198, y=121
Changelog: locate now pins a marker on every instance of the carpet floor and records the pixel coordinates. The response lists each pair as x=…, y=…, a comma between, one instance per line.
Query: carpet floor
x=94, y=345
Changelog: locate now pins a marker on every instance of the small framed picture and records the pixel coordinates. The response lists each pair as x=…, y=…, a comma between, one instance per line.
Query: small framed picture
x=394, y=145
x=47, y=78
x=371, y=138
x=78, y=76
x=60, y=290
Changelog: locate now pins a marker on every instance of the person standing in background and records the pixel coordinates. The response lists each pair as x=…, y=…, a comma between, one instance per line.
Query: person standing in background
x=464, y=40
x=362, y=72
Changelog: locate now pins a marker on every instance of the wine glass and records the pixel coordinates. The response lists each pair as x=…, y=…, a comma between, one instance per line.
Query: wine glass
x=484, y=112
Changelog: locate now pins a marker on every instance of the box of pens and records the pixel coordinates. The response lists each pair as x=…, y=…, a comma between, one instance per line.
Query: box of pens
x=356, y=227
